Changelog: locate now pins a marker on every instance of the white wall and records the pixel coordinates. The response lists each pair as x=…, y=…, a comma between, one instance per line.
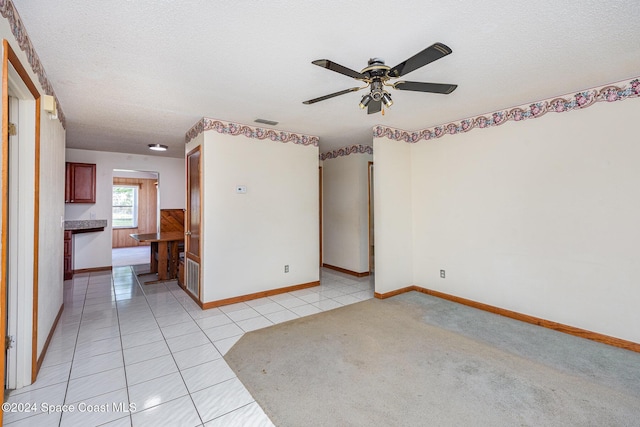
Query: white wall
x=393, y=215
x=93, y=250
x=539, y=217
x=249, y=238
x=345, y=207
x=51, y=242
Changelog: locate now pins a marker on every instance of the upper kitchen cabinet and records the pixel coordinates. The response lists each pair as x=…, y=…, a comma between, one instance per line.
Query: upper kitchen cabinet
x=80, y=183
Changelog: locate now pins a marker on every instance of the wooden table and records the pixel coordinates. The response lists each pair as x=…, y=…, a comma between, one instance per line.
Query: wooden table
x=165, y=244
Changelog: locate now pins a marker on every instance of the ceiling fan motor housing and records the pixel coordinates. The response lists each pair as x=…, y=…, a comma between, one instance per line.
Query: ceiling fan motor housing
x=376, y=68
x=376, y=89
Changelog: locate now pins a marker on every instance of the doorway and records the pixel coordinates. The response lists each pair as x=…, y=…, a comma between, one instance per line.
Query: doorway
x=193, y=221
x=20, y=223
x=135, y=210
x=320, y=213
x=371, y=221
x=13, y=276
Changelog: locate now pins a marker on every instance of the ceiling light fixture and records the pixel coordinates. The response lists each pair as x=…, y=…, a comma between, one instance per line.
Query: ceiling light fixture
x=365, y=101
x=266, y=122
x=158, y=147
x=386, y=98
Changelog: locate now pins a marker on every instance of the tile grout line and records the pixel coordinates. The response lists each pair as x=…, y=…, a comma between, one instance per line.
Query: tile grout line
x=75, y=346
x=222, y=355
x=212, y=343
x=170, y=352
x=74, y=358
x=124, y=365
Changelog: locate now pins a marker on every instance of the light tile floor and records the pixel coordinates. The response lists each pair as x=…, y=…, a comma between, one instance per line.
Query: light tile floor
x=120, y=345
x=133, y=255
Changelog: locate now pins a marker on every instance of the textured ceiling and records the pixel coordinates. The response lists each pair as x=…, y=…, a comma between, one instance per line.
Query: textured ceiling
x=132, y=72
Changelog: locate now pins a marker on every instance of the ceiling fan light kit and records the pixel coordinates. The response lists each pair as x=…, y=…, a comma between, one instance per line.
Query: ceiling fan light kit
x=377, y=75
x=386, y=99
x=365, y=101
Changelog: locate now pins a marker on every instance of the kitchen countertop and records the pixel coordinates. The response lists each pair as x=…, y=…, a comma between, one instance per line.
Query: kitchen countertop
x=82, y=225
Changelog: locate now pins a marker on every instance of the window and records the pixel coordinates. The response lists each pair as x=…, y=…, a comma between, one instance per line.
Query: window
x=125, y=206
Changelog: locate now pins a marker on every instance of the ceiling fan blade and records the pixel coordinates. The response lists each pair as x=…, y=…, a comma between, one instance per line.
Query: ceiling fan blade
x=331, y=95
x=325, y=63
x=426, y=87
x=430, y=54
x=374, y=107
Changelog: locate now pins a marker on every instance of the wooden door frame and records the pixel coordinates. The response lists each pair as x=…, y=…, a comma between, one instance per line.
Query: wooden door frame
x=369, y=211
x=9, y=57
x=320, y=209
x=188, y=215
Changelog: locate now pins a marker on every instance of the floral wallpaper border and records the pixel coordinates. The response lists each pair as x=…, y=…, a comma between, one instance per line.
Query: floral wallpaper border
x=8, y=11
x=345, y=151
x=236, y=129
x=610, y=93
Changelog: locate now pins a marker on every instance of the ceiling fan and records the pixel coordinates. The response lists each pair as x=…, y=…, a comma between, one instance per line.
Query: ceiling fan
x=377, y=76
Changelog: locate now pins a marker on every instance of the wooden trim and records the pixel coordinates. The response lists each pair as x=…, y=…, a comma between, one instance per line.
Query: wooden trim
x=320, y=177
x=9, y=56
x=394, y=293
x=22, y=72
x=188, y=292
x=5, y=206
x=200, y=212
x=187, y=223
x=344, y=270
x=257, y=295
x=560, y=327
x=36, y=245
x=92, y=270
x=369, y=207
x=48, y=341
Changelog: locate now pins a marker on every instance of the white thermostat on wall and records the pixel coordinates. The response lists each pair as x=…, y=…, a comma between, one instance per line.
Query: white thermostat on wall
x=241, y=189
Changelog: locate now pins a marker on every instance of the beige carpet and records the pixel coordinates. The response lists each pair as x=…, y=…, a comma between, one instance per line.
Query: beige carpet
x=415, y=360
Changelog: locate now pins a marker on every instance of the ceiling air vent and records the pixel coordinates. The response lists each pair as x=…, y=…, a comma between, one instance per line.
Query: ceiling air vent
x=266, y=122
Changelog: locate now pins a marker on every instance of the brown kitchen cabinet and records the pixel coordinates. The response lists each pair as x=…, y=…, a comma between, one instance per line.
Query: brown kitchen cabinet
x=80, y=183
x=68, y=255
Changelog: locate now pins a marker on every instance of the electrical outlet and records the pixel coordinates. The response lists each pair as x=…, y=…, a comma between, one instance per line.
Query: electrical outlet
x=442, y=274
x=286, y=268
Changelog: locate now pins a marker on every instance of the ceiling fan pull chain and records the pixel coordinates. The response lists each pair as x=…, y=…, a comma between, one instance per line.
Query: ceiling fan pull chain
x=383, y=110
